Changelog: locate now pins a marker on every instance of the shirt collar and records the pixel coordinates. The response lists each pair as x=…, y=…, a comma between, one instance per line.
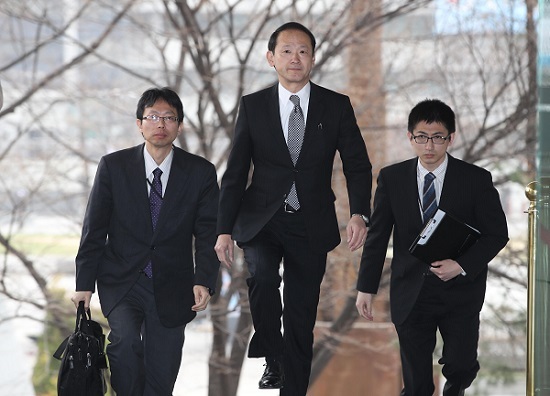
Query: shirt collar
x=438, y=172
x=303, y=94
x=151, y=165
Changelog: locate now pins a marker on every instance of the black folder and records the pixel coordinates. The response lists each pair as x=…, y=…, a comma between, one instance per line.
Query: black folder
x=443, y=237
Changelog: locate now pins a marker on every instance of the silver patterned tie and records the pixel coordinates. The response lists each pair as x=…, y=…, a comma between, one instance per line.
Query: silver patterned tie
x=296, y=130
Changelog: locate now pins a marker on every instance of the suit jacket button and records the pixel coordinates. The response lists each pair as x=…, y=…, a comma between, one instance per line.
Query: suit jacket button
x=153, y=247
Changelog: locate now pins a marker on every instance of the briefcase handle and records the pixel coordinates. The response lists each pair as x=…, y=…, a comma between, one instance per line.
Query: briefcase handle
x=82, y=318
x=81, y=321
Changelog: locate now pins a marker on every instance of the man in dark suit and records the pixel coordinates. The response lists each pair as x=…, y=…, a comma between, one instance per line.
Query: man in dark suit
x=447, y=294
x=287, y=212
x=154, y=268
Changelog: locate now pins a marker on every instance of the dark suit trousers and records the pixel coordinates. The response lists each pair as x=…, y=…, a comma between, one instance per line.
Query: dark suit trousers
x=284, y=238
x=144, y=356
x=459, y=328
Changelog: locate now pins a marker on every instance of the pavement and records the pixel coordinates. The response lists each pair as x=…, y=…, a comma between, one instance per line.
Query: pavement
x=17, y=357
x=18, y=354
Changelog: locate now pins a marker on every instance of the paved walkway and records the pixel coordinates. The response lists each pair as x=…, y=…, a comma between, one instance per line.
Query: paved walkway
x=18, y=355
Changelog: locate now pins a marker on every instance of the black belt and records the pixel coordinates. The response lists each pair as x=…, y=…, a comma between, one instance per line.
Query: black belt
x=289, y=209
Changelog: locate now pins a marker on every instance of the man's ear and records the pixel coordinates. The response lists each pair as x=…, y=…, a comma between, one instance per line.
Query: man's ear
x=451, y=137
x=270, y=58
x=139, y=123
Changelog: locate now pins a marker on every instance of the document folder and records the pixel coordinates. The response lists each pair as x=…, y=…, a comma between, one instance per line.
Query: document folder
x=443, y=237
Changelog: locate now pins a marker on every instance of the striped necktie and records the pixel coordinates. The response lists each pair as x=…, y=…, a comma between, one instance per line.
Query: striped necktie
x=429, y=202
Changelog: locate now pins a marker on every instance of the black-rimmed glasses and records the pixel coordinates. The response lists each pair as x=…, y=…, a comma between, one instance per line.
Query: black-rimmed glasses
x=423, y=139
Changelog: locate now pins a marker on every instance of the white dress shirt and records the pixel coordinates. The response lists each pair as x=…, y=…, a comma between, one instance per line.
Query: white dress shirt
x=286, y=106
x=151, y=165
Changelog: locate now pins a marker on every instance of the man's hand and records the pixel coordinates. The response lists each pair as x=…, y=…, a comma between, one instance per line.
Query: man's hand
x=364, y=305
x=202, y=297
x=446, y=269
x=356, y=232
x=224, y=249
x=85, y=296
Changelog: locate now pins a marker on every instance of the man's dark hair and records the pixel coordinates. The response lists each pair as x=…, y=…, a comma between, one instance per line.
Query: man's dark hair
x=289, y=26
x=149, y=97
x=430, y=111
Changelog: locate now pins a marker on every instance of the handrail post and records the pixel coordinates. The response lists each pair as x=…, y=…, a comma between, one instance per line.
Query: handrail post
x=531, y=193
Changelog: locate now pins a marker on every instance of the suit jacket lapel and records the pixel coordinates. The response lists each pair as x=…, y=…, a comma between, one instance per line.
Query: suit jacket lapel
x=135, y=170
x=315, y=112
x=274, y=129
x=316, y=109
x=446, y=191
x=410, y=189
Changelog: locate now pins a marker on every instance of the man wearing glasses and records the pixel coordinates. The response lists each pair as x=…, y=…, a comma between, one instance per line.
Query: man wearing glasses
x=445, y=295
x=148, y=242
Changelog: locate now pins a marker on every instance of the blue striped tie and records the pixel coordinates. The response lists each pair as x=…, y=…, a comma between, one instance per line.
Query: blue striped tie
x=429, y=202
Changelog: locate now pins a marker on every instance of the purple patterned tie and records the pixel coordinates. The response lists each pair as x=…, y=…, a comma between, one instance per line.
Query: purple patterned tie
x=296, y=130
x=155, y=202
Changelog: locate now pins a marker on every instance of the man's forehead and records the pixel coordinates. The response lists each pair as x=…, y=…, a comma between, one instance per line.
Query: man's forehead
x=430, y=127
x=294, y=37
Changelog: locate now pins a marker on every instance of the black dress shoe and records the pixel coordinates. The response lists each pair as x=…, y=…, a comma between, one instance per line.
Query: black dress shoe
x=273, y=377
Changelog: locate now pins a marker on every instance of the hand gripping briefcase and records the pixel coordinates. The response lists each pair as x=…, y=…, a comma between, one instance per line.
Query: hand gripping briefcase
x=83, y=359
